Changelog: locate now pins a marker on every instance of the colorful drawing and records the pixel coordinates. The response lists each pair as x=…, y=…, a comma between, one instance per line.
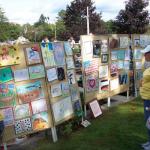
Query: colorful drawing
x=123, y=78
x=61, y=73
x=124, y=42
x=144, y=40
x=5, y=75
x=71, y=76
x=97, y=48
x=127, y=54
x=70, y=63
x=23, y=126
x=30, y=91
x=36, y=72
x=121, y=54
x=103, y=86
x=22, y=111
x=137, y=54
x=67, y=48
x=56, y=90
x=77, y=108
x=120, y=64
x=114, y=69
x=21, y=75
x=114, y=42
x=40, y=121
x=138, y=65
x=62, y=109
x=74, y=93
x=113, y=55
x=103, y=71
x=138, y=75
x=47, y=54
x=59, y=54
x=114, y=84
x=104, y=58
x=65, y=89
x=126, y=65
x=136, y=42
x=7, y=95
x=104, y=46
x=52, y=74
x=8, y=116
x=9, y=55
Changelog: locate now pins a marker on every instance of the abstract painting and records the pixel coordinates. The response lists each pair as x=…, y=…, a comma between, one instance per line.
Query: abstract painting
x=65, y=89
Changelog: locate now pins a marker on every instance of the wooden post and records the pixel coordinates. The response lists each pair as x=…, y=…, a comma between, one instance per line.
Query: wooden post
x=108, y=102
x=85, y=112
x=54, y=134
x=127, y=94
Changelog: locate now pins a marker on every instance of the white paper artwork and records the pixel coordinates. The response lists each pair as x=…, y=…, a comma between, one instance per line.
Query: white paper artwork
x=104, y=46
x=52, y=74
x=103, y=71
x=124, y=42
x=127, y=54
x=71, y=77
x=56, y=90
x=138, y=65
x=70, y=63
x=114, y=84
x=113, y=55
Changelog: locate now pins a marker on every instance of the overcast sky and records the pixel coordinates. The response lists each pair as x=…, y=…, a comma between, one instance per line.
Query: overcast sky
x=29, y=11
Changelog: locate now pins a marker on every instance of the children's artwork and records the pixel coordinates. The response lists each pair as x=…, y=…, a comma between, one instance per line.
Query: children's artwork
x=92, y=82
x=33, y=56
x=123, y=78
x=114, y=43
x=127, y=54
x=52, y=74
x=5, y=75
x=114, y=84
x=71, y=76
x=124, y=42
x=138, y=65
x=121, y=54
x=97, y=48
x=21, y=75
x=114, y=69
x=23, y=125
x=103, y=86
x=36, y=72
x=137, y=54
x=120, y=64
x=22, y=111
x=136, y=42
x=144, y=40
x=74, y=93
x=77, y=61
x=104, y=58
x=39, y=106
x=114, y=55
x=104, y=46
x=65, y=89
x=40, y=121
x=69, y=62
x=103, y=71
x=60, y=73
x=30, y=91
x=62, y=109
x=126, y=65
x=8, y=116
x=59, y=54
x=47, y=54
x=7, y=95
x=56, y=90
x=138, y=75
x=67, y=48
x=77, y=108
x=9, y=55
x=95, y=108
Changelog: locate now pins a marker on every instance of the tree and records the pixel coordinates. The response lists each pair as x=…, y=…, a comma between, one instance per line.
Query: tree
x=75, y=18
x=42, y=20
x=3, y=18
x=134, y=19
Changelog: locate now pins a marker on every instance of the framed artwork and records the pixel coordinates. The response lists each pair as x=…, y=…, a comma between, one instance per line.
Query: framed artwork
x=138, y=65
x=38, y=106
x=62, y=109
x=114, y=84
x=97, y=48
x=30, y=91
x=74, y=93
x=70, y=62
x=137, y=42
x=114, y=42
x=121, y=54
x=7, y=95
x=32, y=55
x=65, y=89
x=40, y=121
x=114, y=69
x=123, y=78
x=22, y=111
x=9, y=55
x=77, y=108
x=138, y=75
x=127, y=54
x=103, y=86
x=68, y=49
x=126, y=65
x=21, y=75
x=92, y=82
x=71, y=76
x=104, y=46
x=23, y=125
x=144, y=40
x=61, y=73
x=36, y=72
x=59, y=54
x=95, y=108
x=8, y=116
x=104, y=58
x=113, y=55
x=52, y=74
x=124, y=42
x=137, y=54
x=56, y=90
x=5, y=75
x=120, y=64
x=48, y=54
x=103, y=71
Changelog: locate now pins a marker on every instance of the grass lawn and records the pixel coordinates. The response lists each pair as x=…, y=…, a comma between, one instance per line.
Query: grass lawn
x=119, y=128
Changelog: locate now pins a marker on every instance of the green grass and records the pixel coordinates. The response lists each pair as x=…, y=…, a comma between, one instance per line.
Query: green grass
x=119, y=128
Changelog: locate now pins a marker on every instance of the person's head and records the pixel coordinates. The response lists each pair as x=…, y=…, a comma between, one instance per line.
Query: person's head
x=146, y=52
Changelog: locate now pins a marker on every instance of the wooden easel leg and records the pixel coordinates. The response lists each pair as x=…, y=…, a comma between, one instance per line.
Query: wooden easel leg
x=54, y=134
x=85, y=112
x=108, y=102
x=128, y=95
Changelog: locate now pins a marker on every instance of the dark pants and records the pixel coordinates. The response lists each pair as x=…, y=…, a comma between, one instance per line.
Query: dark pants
x=147, y=113
x=1, y=127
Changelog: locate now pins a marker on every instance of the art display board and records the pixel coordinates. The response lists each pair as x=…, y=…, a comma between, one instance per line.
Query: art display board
x=105, y=65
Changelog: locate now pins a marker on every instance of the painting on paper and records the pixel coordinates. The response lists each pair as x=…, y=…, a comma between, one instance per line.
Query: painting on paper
x=138, y=65
x=97, y=48
x=30, y=91
x=113, y=55
x=120, y=64
x=7, y=95
x=103, y=71
x=21, y=75
x=68, y=49
x=137, y=54
x=136, y=42
x=103, y=86
x=5, y=75
x=40, y=121
x=65, y=89
x=138, y=75
x=59, y=54
x=114, y=84
x=74, y=93
x=77, y=108
x=22, y=111
x=61, y=73
x=48, y=55
x=127, y=54
x=124, y=42
x=104, y=58
x=52, y=74
x=71, y=76
x=56, y=90
x=126, y=65
x=23, y=126
x=62, y=109
x=70, y=62
x=114, y=69
x=36, y=72
x=123, y=78
x=144, y=40
x=104, y=46
x=9, y=55
x=121, y=54
x=113, y=42
x=38, y=106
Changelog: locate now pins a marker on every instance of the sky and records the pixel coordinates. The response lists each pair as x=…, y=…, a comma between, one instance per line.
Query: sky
x=29, y=11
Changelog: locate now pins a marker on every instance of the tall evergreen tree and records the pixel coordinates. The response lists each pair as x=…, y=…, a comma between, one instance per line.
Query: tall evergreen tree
x=134, y=19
